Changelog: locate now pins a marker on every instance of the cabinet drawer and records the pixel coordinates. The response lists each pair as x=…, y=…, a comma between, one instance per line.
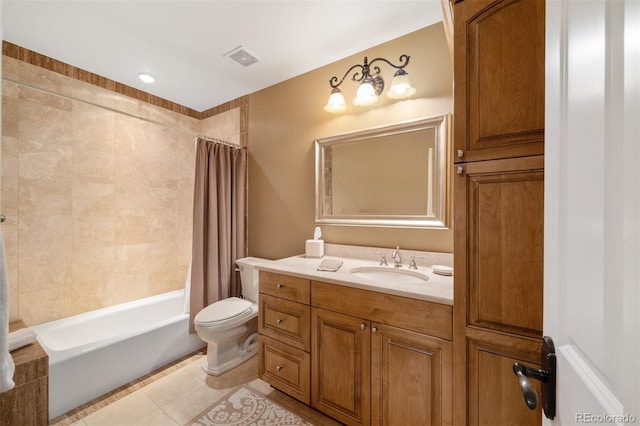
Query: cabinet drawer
x=284, y=320
x=285, y=286
x=421, y=316
x=285, y=368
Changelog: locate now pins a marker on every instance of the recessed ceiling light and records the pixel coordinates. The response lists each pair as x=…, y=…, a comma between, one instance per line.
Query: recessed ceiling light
x=147, y=78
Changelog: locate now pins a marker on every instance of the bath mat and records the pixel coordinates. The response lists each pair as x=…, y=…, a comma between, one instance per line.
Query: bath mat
x=246, y=407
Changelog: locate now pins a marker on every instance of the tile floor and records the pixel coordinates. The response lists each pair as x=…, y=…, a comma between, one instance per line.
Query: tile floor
x=175, y=395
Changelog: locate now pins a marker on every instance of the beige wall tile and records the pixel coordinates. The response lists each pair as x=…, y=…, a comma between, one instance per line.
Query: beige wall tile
x=10, y=109
x=42, y=78
x=93, y=94
x=10, y=68
x=9, y=165
x=224, y=126
x=100, y=200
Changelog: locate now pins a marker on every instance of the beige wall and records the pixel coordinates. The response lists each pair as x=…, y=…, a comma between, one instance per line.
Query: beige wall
x=97, y=188
x=285, y=119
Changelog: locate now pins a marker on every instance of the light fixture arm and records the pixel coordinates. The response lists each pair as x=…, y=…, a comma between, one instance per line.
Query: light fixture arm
x=366, y=70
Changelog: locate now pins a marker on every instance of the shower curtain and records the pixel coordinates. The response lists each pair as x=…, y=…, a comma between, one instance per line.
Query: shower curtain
x=218, y=223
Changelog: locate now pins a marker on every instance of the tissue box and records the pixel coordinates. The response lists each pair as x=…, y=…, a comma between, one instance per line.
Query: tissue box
x=314, y=248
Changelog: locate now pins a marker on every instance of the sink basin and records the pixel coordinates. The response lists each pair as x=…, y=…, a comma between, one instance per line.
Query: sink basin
x=390, y=275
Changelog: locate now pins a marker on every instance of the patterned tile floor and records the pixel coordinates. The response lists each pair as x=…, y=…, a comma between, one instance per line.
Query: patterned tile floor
x=175, y=395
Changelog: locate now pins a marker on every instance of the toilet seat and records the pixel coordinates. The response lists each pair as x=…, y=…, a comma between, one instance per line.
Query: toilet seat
x=225, y=312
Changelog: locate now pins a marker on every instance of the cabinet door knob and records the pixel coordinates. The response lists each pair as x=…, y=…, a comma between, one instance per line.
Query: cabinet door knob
x=460, y=170
x=460, y=153
x=374, y=330
x=278, y=321
x=362, y=326
x=279, y=286
x=279, y=367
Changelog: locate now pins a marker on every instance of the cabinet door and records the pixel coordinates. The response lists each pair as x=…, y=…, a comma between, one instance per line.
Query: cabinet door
x=499, y=239
x=494, y=393
x=498, y=284
x=410, y=378
x=499, y=79
x=340, y=379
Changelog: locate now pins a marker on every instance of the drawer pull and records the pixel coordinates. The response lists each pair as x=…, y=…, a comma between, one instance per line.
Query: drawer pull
x=279, y=367
x=279, y=286
x=278, y=321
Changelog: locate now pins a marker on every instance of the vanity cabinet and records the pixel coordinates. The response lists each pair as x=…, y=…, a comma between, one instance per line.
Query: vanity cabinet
x=498, y=207
x=359, y=356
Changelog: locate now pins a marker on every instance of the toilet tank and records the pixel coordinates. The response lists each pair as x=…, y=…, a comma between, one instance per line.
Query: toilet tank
x=249, y=276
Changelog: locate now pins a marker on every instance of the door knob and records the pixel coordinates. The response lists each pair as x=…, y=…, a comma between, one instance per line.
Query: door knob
x=546, y=375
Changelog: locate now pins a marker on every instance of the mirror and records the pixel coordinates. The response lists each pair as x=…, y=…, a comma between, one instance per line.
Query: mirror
x=387, y=176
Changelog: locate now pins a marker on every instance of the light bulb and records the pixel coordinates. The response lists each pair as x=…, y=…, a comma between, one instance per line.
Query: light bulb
x=366, y=94
x=400, y=86
x=336, y=103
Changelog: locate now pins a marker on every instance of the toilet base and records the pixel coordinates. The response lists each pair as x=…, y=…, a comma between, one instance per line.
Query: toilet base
x=243, y=352
x=219, y=369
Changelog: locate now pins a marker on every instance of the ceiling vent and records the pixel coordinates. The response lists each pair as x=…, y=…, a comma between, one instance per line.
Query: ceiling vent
x=241, y=56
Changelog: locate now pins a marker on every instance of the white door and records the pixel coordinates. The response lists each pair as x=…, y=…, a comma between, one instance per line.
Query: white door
x=592, y=208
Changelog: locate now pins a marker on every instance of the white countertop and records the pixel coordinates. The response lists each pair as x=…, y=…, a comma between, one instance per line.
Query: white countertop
x=437, y=289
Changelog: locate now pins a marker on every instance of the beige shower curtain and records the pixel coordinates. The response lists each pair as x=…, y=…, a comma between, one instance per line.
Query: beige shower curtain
x=218, y=223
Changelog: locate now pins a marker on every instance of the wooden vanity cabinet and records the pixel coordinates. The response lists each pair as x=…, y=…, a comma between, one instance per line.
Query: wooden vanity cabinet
x=498, y=206
x=359, y=356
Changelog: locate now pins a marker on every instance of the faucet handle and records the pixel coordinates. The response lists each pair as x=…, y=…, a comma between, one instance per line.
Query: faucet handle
x=412, y=264
x=383, y=259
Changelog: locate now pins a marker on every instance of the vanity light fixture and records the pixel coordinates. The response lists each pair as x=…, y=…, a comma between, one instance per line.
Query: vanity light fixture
x=371, y=85
x=146, y=77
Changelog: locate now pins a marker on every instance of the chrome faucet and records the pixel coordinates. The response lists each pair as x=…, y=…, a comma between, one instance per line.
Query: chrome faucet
x=397, y=260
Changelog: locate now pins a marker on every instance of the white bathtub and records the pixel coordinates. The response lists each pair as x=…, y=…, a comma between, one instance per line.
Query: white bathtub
x=93, y=353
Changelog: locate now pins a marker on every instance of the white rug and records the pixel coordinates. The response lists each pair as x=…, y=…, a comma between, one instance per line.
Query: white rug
x=248, y=407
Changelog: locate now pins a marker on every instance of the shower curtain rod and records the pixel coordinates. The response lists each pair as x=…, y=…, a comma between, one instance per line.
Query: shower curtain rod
x=72, y=98
x=220, y=141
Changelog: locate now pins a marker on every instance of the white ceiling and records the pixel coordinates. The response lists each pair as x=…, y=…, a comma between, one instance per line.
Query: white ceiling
x=182, y=43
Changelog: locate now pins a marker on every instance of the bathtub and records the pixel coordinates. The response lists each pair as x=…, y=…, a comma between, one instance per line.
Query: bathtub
x=93, y=353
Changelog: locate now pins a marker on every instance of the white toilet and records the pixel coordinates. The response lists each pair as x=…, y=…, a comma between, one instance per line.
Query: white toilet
x=230, y=326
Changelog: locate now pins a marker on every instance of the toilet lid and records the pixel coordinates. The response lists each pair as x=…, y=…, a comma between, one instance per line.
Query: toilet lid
x=224, y=310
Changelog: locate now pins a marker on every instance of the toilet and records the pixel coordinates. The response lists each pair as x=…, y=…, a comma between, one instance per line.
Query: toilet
x=230, y=326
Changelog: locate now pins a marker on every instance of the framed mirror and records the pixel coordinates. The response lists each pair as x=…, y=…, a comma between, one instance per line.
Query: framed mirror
x=392, y=176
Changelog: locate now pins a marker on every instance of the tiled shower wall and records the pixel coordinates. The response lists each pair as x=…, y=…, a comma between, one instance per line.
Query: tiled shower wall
x=97, y=189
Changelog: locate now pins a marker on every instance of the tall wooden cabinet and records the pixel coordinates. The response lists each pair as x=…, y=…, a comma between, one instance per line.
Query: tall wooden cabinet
x=498, y=206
